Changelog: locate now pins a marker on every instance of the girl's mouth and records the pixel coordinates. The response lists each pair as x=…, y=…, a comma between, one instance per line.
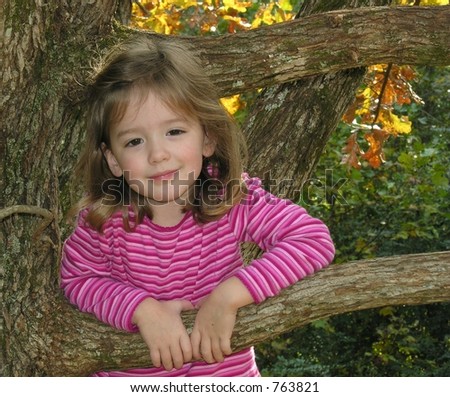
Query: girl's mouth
x=162, y=176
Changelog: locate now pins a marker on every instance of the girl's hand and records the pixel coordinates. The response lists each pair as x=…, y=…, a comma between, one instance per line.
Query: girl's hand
x=163, y=331
x=214, y=323
x=211, y=335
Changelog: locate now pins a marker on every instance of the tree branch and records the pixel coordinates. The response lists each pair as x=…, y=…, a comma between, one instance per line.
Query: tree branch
x=324, y=43
x=398, y=280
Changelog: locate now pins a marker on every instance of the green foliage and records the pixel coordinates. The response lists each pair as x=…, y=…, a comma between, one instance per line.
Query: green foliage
x=401, y=207
x=402, y=341
x=296, y=366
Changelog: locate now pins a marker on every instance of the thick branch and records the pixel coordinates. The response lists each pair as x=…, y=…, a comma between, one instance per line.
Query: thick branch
x=399, y=280
x=324, y=43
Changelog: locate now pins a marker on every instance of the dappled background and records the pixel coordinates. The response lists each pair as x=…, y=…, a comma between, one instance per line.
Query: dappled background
x=382, y=186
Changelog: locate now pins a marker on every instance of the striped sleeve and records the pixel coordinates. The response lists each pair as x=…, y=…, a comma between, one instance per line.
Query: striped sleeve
x=87, y=282
x=294, y=243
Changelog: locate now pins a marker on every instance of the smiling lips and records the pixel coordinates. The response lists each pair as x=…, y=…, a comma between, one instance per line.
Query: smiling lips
x=162, y=176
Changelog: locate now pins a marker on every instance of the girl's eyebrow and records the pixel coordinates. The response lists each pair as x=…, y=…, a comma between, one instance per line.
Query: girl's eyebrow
x=127, y=131
x=168, y=122
x=176, y=120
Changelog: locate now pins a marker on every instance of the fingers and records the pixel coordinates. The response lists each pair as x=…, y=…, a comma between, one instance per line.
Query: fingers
x=155, y=357
x=211, y=350
x=166, y=359
x=186, y=348
x=177, y=358
x=216, y=351
x=225, y=346
x=174, y=356
x=206, y=350
x=186, y=305
x=167, y=338
x=219, y=349
x=195, y=343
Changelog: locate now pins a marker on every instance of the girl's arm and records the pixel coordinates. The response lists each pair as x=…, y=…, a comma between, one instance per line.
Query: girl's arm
x=163, y=331
x=214, y=323
x=295, y=245
x=87, y=282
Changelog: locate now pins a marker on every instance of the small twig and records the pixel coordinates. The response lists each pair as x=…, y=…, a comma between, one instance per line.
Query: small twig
x=142, y=8
x=32, y=210
x=25, y=209
x=381, y=95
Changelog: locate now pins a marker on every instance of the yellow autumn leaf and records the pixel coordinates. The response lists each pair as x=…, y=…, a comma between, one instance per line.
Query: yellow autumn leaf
x=365, y=106
x=161, y=25
x=232, y=103
x=183, y=3
x=282, y=16
x=237, y=20
x=285, y=5
x=256, y=23
x=140, y=22
x=235, y=5
x=134, y=8
x=267, y=17
x=435, y=2
x=395, y=125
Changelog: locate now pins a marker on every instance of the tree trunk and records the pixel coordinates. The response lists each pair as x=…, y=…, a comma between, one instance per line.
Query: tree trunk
x=46, y=54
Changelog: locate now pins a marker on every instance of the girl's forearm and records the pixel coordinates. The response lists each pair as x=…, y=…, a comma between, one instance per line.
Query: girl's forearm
x=146, y=307
x=232, y=293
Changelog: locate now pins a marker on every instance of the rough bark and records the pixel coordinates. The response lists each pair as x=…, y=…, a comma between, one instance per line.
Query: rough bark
x=83, y=345
x=46, y=54
x=45, y=48
x=298, y=116
x=328, y=42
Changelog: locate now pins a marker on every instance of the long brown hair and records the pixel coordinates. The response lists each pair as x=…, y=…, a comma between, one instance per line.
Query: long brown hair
x=170, y=71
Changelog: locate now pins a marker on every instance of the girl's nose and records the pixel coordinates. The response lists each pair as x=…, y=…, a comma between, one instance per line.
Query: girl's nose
x=157, y=152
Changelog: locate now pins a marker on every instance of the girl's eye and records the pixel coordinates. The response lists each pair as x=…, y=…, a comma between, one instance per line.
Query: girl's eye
x=134, y=142
x=175, y=132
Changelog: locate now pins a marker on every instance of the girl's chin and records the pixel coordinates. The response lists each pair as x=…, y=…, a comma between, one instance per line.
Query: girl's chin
x=169, y=200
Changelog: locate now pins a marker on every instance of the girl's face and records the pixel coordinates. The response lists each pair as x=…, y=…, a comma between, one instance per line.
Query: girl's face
x=159, y=152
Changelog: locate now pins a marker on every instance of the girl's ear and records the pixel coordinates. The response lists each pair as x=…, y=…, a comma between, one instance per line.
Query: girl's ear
x=113, y=165
x=209, y=146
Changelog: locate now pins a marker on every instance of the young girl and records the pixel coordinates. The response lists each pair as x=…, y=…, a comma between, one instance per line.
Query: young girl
x=166, y=209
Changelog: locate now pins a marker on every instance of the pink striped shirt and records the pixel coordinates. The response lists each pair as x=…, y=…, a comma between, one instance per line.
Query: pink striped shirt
x=109, y=274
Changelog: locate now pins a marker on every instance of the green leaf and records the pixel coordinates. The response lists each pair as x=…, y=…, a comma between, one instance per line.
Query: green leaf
x=387, y=311
x=439, y=179
x=407, y=160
